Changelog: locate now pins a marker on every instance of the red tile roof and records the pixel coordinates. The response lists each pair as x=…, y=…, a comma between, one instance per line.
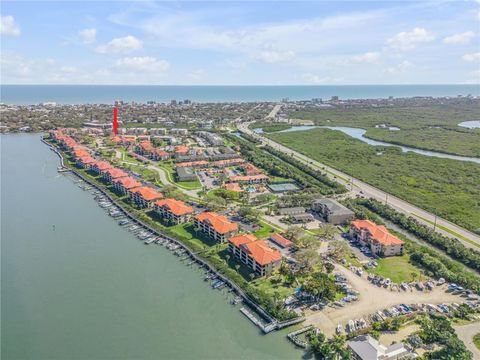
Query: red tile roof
x=87, y=160
x=378, y=233
x=228, y=162
x=80, y=153
x=103, y=165
x=251, y=169
x=116, y=173
x=279, y=239
x=248, y=177
x=181, y=149
x=242, y=239
x=161, y=152
x=148, y=194
x=128, y=182
x=176, y=207
x=218, y=222
x=261, y=252
x=192, y=163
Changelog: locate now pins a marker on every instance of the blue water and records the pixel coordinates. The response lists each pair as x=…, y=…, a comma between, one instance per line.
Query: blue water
x=107, y=94
x=358, y=133
x=473, y=124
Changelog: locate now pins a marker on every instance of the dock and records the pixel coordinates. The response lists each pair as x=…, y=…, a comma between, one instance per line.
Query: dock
x=293, y=336
x=266, y=328
x=272, y=323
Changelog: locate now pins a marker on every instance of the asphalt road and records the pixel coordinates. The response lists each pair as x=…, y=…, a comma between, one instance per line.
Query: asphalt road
x=358, y=187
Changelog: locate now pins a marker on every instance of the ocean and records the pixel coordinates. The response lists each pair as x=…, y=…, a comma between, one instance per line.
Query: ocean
x=107, y=94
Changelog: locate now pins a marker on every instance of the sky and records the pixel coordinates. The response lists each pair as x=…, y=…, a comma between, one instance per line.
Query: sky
x=240, y=43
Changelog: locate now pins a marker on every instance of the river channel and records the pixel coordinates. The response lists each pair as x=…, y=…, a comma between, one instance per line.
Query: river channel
x=358, y=133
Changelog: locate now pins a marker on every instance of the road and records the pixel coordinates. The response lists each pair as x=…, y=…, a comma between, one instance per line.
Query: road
x=357, y=187
x=274, y=112
x=466, y=334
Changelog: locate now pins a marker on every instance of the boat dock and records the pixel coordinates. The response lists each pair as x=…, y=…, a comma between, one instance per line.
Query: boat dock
x=271, y=322
x=293, y=336
x=266, y=328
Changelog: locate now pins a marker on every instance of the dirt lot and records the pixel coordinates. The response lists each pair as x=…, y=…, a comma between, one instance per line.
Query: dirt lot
x=372, y=299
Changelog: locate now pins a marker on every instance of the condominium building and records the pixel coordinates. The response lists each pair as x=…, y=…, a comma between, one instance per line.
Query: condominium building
x=255, y=253
x=377, y=237
x=144, y=196
x=249, y=179
x=125, y=184
x=113, y=174
x=100, y=166
x=173, y=210
x=216, y=226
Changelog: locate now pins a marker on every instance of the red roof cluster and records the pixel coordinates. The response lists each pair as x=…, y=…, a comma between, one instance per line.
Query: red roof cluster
x=258, y=250
x=148, y=194
x=176, y=207
x=378, y=233
x=128, y=182
x=219, y=223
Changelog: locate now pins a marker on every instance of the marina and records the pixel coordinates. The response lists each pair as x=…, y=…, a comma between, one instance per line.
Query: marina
x=144, y=232
x=92, y=279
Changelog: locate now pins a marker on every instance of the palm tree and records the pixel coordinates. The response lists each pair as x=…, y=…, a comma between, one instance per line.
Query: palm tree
x=338, y=346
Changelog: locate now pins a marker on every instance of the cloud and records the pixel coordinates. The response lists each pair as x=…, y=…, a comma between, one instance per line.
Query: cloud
x=197, y=75
x=122, y=45
x=471, y=57
x=316, y=79
x=144, y=64
x=8, y=26
x=408, y=40
x=273, y=56
x=400, y=68
x=368, y=57
x=463, y=38
x=88, y=36
x=68, y=69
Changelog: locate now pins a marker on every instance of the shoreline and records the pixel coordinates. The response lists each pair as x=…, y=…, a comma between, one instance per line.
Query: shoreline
x=272, y=323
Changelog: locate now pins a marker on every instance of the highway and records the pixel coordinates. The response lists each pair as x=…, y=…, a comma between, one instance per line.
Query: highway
x=358, y=187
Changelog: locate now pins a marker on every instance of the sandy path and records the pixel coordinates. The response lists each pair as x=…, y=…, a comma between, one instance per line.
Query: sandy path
x=466, y=334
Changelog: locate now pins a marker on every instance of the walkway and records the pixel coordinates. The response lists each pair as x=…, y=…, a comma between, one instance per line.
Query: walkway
x=466, y=334
x=356, y=186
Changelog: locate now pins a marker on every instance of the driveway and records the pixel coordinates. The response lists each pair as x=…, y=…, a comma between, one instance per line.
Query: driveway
x=466, y=334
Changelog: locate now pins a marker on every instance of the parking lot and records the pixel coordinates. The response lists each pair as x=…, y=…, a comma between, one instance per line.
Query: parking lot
x=372, y=299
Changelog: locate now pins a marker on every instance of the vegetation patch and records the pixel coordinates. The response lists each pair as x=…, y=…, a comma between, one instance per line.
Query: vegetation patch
x=447, y=187
x=398, y=269
x=432, y=127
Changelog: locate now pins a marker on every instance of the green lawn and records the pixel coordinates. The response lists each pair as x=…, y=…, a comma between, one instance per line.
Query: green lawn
x=273, y=284
x=476, y=340
x=264, y=231
x=190, y=185
x=398, y=269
